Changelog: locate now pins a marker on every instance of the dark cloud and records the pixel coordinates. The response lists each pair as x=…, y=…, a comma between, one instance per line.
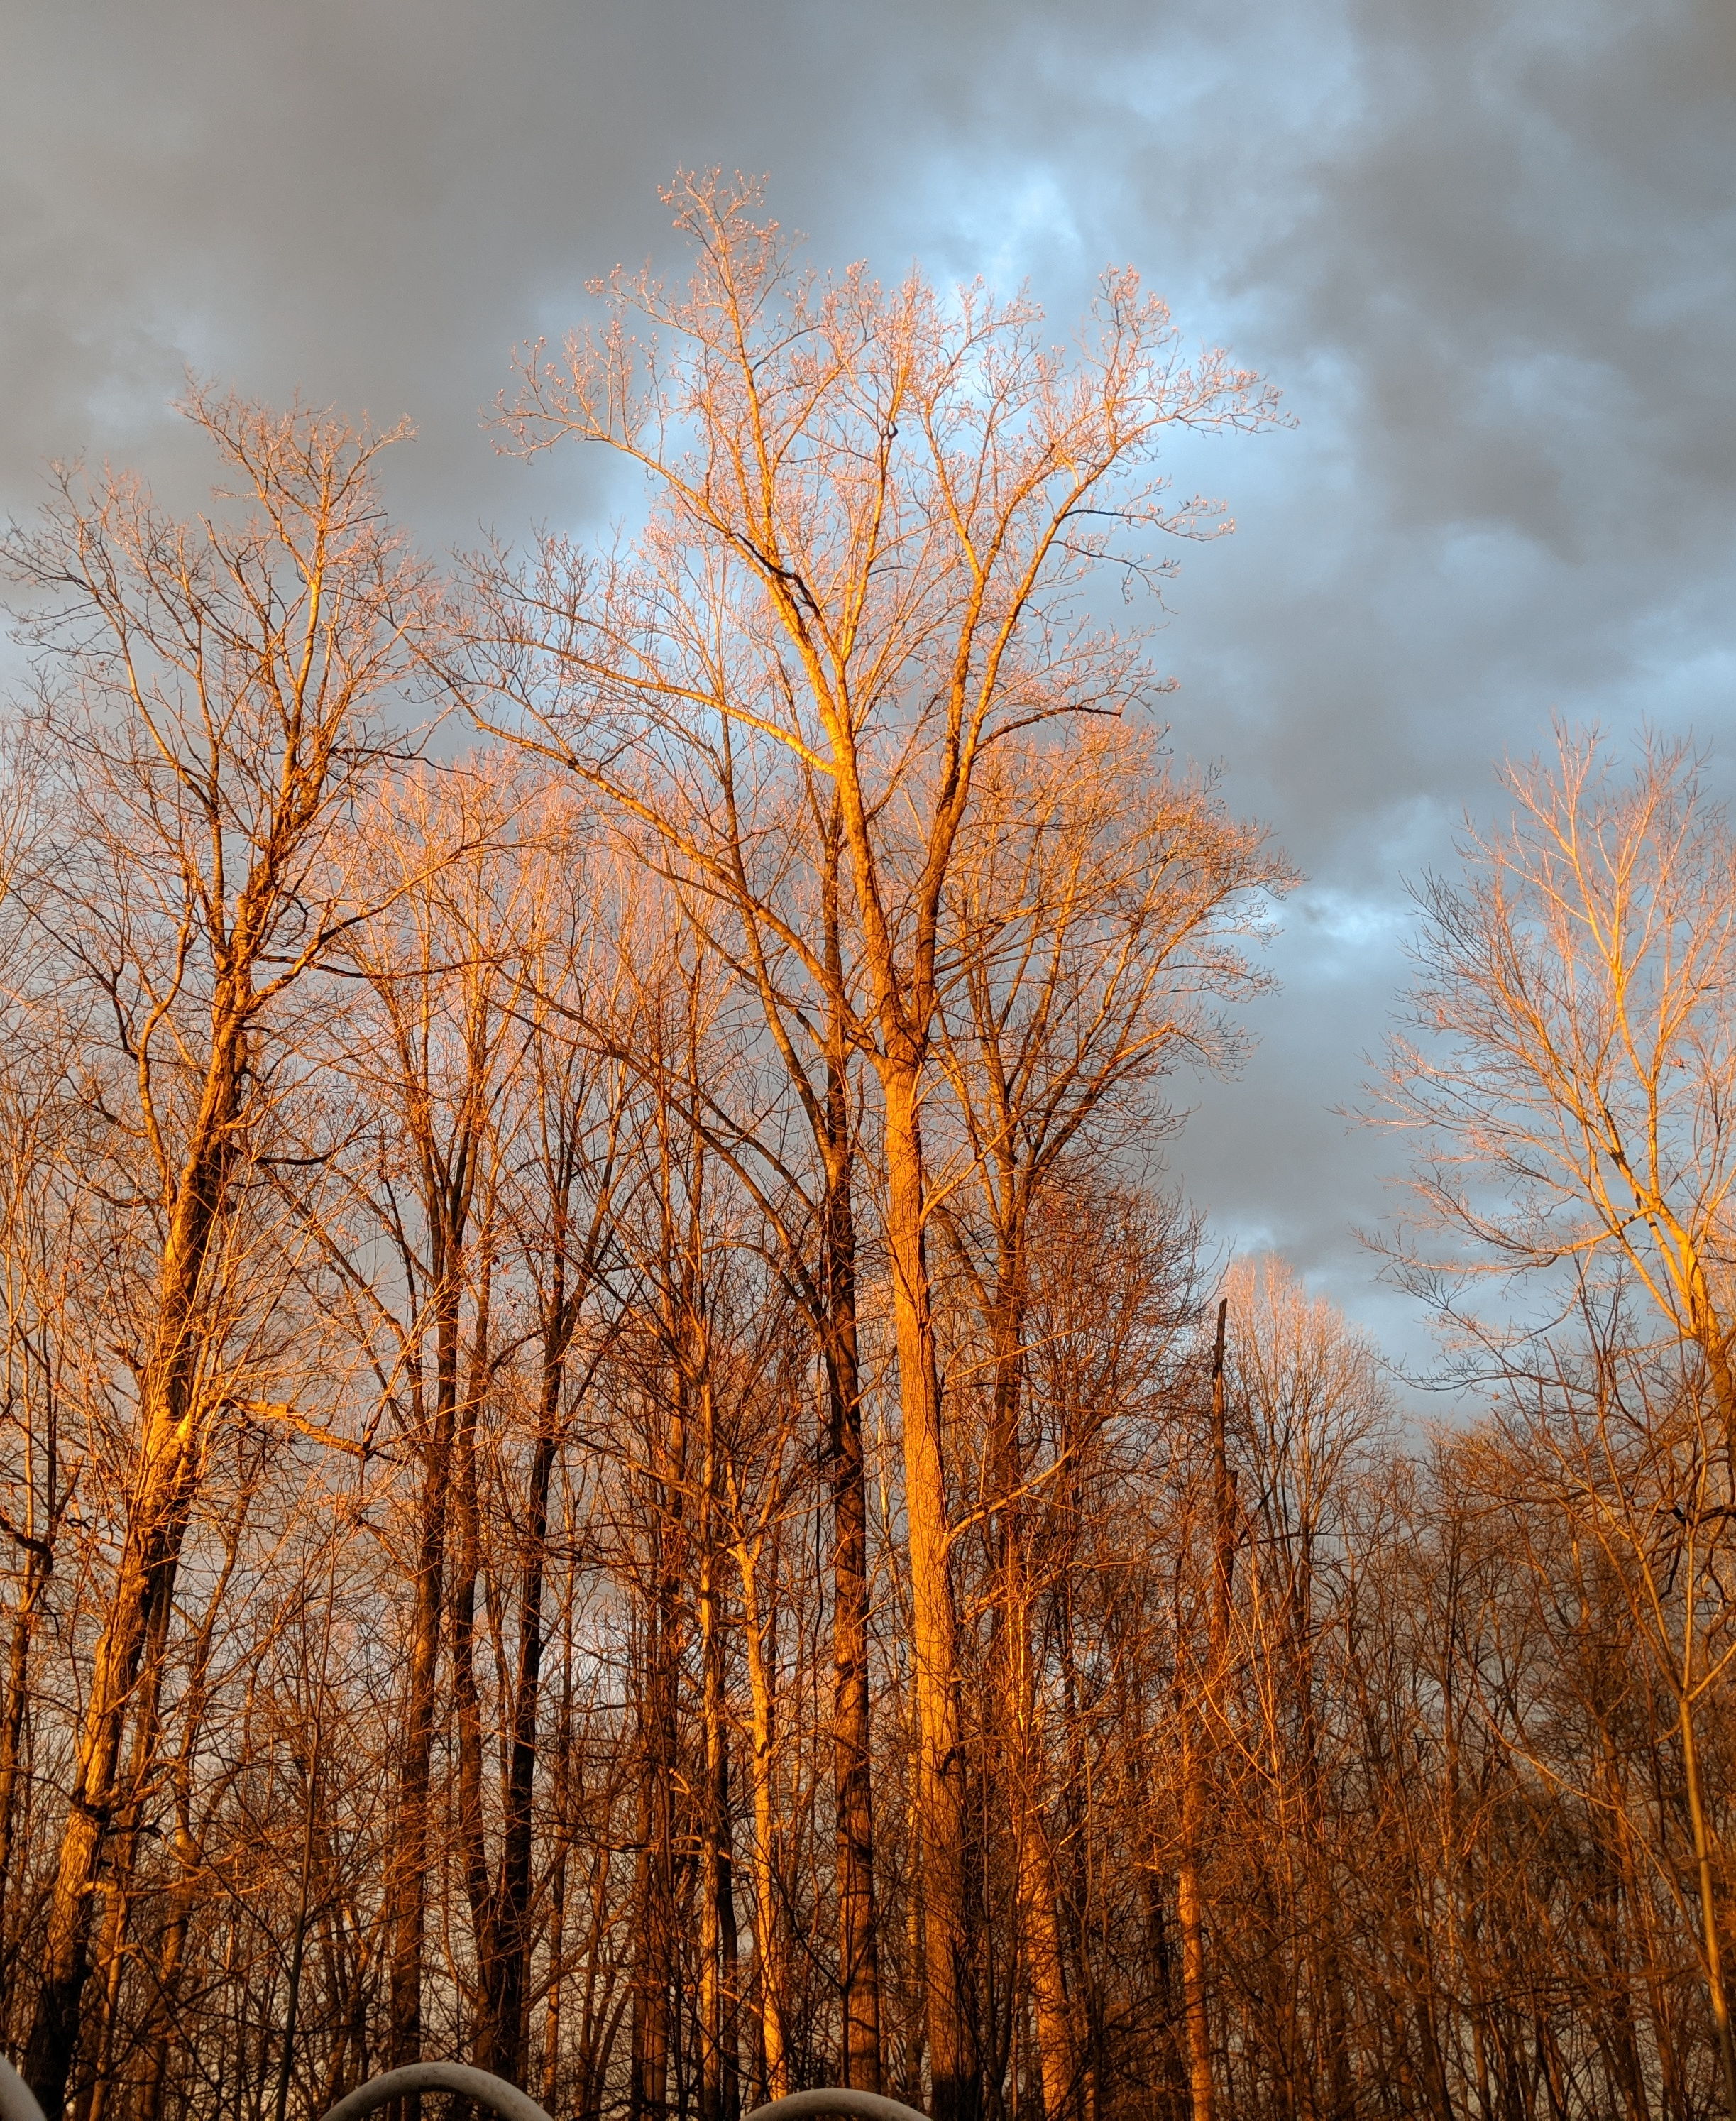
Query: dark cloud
x=1487, y=248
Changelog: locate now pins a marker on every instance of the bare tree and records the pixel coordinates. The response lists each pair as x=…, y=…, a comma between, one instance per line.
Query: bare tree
x=1569, y=1062
x=444, y=974
x=1097, y=912
x=1617, y=1486
x=873, y=514
x=216, y=694
x=1570, y=1073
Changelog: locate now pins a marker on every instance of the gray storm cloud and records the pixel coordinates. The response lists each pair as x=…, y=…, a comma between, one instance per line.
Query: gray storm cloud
x=1487, y=250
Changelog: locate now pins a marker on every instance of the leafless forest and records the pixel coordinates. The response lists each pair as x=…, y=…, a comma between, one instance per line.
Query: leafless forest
x=619, y=1460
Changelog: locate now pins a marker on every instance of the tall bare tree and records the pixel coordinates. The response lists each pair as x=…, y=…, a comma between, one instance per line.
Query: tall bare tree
x=216, y=694
x=1097, y=913
x=1569, y=1073
x=874, y=514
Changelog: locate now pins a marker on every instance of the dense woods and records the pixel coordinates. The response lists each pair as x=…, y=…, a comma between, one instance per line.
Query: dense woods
x=619, y=1459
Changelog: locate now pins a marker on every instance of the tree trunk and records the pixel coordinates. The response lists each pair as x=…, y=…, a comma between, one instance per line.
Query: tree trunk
x=37, y=1567
x=934, y=1625
x=654, y=1939
x=298, y=1941
x=767, y=1928
x=719, y=2061
x=491, y=2038
x=1199, y=1719
x=1190, y=1920
x=138, y=1610
x=1713, y=1960
x=513, y=1923
x=1036, y=1885
x=557, y=1891
x=171, y=1954
x=172, y=1440
x=859, y=1950
x=407, y=1865
x=1422, y=2001
x=654, y=1947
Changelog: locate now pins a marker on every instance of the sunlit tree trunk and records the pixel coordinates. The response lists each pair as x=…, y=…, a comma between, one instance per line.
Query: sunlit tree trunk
x=768, y=1927
x=1190, y=1919
x=408, y=1849
x=1202, y=1707
x=934, y=1620
x=171, y=1416
x=864, y=562
x=720, y=2063
x=1702, y=1844
x=1037, y=1885
x=171, y=1957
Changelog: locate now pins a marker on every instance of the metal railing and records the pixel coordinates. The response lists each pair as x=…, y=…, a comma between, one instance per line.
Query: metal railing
x=493, y=2092
x=17, y=2103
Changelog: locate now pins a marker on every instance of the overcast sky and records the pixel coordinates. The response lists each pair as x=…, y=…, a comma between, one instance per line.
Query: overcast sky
x=1488, y=252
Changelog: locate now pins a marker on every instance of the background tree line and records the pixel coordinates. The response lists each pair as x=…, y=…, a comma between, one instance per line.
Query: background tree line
x=617, y=1459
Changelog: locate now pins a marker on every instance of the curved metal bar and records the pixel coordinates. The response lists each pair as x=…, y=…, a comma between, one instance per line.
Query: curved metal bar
x=17, y=2102
x=836, y=2099
x=494, y=2092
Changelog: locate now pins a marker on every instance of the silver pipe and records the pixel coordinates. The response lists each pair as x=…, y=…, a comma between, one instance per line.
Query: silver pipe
x=834, y=2099
x=17, y=2102
x=494, y=2092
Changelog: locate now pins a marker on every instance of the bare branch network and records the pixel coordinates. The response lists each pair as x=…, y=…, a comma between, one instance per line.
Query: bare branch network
x=618, y=1461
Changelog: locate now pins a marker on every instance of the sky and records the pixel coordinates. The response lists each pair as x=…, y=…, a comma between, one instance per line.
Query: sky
x=1488, y=252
